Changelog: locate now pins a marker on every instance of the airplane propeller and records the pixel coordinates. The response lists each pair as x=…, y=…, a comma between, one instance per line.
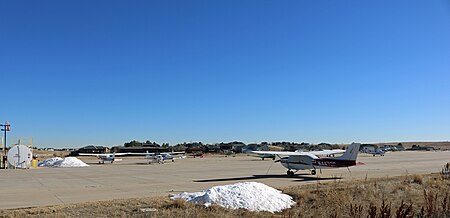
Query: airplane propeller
x=279, y=159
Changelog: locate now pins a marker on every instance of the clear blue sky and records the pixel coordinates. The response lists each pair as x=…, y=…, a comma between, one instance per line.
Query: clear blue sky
x=106, y=72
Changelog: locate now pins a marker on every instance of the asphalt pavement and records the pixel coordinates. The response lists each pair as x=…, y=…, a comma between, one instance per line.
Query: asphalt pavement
x=134, y=177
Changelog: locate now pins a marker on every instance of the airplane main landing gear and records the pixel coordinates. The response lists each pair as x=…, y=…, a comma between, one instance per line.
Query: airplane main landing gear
x=313, y=172
x=290, y=173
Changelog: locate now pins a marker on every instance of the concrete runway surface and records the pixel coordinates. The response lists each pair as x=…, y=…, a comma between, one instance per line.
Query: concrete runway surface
x=133, y=177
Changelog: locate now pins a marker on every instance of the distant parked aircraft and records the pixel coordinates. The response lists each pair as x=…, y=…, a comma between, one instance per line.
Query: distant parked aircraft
x=377, y=152
x=197, y=154
x=105, y=157
x=229, y=153
x=270, y=156
x=295, y=161
x=158, y=157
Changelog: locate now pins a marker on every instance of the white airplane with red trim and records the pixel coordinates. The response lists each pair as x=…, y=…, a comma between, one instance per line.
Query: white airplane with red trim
x=295, y=161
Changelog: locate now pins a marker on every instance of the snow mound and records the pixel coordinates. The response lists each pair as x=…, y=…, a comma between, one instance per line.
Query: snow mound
x=253, y=196
x=49, y=162
x=66, y=162
x=71, y=162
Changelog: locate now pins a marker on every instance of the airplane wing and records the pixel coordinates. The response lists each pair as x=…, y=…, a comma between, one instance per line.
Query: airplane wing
x=131, y=153
x=326, y=152
x=174, y=153
x=89, y=154
x=162, y=153
x=283, y=153
x=103, y=155
x=301, y=153
x=287, y=153
x=119, y=154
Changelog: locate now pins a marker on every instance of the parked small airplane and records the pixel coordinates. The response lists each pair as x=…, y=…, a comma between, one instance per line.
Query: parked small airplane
x=158, y=157
x=105, y=157
x=197, y=154
x=229, y=153
x=295, y=161
x=377, y=152
x=270, y=156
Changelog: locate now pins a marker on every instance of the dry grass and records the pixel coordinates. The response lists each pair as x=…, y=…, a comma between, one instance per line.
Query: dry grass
x=418, y=179
x=406, y=196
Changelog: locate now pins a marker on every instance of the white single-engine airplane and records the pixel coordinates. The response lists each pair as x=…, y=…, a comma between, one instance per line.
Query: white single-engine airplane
x=158, y=157
x=296, y=161
x=105, y=157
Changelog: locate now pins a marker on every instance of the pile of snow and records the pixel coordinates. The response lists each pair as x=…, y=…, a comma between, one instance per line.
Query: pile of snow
x=66, y=162
x=253, y=196
x=71, y=162
x=49, y=162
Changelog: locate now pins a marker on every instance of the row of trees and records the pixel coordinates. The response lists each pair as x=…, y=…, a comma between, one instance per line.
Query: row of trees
x=289, y=146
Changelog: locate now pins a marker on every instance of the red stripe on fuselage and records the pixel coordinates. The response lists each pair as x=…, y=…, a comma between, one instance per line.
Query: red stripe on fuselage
x=326, y=162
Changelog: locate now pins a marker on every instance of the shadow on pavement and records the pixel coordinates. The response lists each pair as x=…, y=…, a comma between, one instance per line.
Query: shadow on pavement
x=296, y=178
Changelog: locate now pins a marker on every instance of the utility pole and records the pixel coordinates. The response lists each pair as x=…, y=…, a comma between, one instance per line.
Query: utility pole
x=6, y=128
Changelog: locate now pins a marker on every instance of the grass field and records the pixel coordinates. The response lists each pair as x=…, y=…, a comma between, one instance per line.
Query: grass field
x=404, y=196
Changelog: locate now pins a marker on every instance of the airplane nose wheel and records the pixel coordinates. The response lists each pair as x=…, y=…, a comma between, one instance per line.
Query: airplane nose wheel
x=290, y=173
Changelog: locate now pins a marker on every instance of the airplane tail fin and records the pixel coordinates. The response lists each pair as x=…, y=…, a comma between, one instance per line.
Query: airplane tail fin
x=351, y=153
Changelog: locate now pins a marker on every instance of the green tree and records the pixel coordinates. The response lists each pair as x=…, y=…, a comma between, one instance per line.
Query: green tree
x=133, y=143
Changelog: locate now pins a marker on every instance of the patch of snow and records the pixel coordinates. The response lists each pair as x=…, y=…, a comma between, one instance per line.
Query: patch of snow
x=66, y=162
x=253, y=196
x=71, y=162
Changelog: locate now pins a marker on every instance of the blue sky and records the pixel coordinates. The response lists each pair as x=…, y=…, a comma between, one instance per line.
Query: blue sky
x=105, y=72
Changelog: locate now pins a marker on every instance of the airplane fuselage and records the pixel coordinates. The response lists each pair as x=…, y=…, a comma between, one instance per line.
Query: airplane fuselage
x=304, y=163
x=108, y=158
